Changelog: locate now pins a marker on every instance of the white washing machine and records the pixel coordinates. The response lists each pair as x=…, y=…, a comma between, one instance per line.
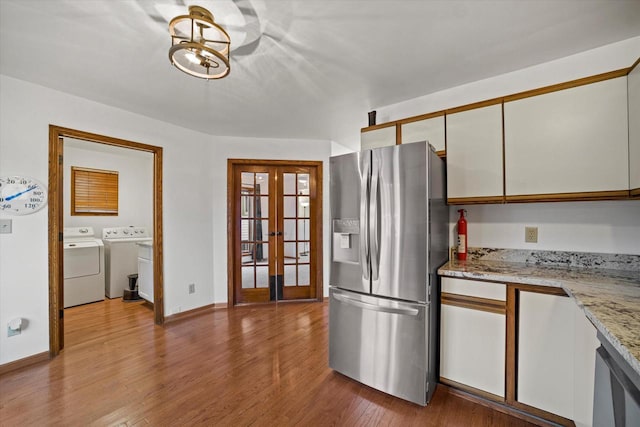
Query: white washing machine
x=83, y=266
x=121, y=256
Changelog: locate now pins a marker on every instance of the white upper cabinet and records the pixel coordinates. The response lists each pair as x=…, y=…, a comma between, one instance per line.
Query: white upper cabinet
x=474, y=153
x=431, y=130
x=634, y=130
x=382, y=137
x=570, y=141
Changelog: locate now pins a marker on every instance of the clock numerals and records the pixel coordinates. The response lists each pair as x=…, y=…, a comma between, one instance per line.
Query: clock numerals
x=21, y=195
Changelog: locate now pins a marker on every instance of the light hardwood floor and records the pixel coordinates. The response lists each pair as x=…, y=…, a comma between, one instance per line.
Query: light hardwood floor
x=259, y=366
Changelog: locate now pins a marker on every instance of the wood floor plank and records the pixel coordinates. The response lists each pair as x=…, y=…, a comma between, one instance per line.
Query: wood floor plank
x=248, y=366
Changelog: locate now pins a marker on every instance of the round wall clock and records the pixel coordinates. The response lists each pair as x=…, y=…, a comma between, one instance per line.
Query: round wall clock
x=21, y=195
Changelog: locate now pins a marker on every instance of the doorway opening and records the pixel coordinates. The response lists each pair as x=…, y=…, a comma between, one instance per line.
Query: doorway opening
x=57, y=136
x=274, y=222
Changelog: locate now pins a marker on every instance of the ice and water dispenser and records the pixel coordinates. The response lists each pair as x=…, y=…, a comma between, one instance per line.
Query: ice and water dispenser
x=346, y=240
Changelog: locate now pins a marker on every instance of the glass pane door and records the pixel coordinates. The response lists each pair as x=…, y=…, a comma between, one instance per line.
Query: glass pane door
x=275, y=234
x=297, y=200
x=255, y=257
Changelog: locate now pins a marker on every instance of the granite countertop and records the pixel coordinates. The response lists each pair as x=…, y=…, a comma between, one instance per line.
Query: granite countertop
x=610, y=297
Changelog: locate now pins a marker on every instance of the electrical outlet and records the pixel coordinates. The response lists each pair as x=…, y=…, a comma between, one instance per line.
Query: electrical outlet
x=531, y=234
x=192, y=288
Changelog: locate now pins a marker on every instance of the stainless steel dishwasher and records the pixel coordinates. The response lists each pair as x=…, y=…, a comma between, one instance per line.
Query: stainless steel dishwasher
x=616, y=400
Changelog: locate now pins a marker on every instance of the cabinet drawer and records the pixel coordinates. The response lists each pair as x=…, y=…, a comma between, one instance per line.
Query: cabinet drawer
x=474, y=288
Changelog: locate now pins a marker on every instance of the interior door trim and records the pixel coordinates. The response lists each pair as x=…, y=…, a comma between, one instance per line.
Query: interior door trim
x=318, y=217
x=56, y=221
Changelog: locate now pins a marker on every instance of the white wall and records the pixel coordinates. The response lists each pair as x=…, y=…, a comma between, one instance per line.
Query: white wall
x=194, y=201
x=607, y=227
x=135, y=184
x=604, y=227
x=596, y=61
x=339, y=149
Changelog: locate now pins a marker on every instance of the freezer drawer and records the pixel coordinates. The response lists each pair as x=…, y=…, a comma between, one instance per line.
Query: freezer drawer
x=381, y=343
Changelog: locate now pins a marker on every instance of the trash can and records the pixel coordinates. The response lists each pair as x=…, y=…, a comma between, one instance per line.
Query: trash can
x=133, y=281
x=131, y=294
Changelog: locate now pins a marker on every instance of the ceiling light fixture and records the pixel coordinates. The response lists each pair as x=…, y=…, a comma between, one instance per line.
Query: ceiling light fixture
x=199, y=46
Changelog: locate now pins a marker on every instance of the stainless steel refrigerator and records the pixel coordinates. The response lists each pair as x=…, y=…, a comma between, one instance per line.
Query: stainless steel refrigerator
x=389, y=235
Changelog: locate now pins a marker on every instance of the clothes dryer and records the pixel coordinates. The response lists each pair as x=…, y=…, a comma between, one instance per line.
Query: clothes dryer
x=83, y=266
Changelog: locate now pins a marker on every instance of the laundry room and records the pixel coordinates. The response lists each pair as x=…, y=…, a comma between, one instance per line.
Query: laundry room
x=108, y=223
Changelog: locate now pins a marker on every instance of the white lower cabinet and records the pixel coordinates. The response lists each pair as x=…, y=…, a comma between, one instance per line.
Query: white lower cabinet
x=545, y=353
x=472, y=339
x=553, y=342
x=472, y=344
x=145, y=272
x=585, y=345
x=556, y=357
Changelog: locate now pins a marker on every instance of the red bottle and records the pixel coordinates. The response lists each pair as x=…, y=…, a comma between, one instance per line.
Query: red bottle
x=462, y=236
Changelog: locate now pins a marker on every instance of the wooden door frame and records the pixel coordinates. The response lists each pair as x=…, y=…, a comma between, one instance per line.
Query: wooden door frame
x=56, y=224
x=318, y=217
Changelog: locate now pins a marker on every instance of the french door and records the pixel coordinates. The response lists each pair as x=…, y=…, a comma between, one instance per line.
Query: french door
x=275, y=240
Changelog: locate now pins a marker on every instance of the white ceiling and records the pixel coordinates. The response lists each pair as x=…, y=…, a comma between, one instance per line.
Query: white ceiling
x=318, y=68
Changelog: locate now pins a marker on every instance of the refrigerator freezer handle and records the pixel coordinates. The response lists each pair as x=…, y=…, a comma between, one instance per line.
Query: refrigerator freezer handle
x=364, y=220
x=374, y=214
x=374, y=307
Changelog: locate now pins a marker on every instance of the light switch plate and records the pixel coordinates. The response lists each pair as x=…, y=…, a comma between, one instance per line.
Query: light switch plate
x=5, y=226
x=531, y=234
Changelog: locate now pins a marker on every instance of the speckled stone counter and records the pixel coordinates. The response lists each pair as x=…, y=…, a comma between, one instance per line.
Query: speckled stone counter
x=609, y=297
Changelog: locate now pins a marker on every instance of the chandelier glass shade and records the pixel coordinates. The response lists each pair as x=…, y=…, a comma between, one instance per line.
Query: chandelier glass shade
x=199, y=46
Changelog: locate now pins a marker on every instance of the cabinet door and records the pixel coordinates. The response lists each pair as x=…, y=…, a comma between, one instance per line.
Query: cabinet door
x=472, y=340
x=145, y=279
x=585, y=345
x=431, y=130
x=474, y=154
x=472, y=348
x=382, y=137
x=569, y=141
x=545, y=353
x=634, y=130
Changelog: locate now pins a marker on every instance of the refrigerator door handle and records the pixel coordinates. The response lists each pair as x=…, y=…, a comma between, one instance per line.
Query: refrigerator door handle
x=374, y=307
x=364, y=220
x=374, y=213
